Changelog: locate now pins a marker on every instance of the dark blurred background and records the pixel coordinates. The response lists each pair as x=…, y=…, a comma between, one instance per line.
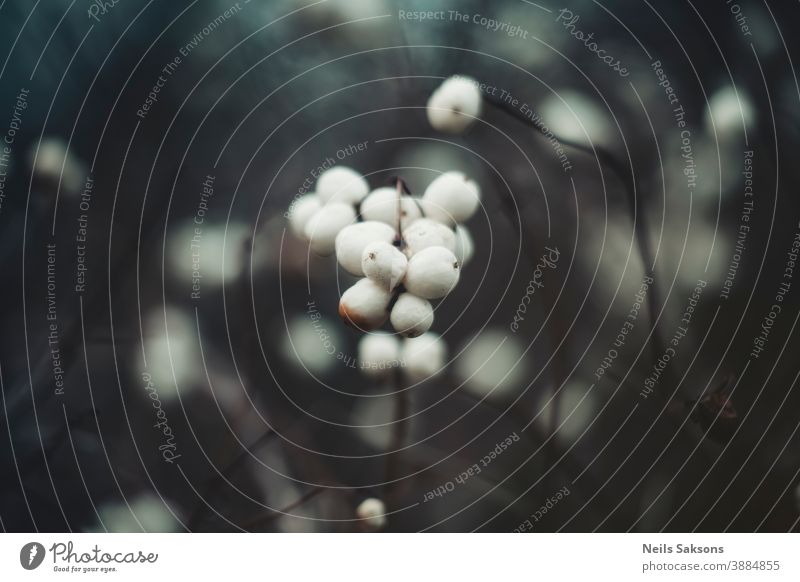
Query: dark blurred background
x=104, y=348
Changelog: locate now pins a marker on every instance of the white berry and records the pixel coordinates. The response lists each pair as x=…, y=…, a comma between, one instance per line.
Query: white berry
x=352, y=239
x=455, y=105
x=301, y=211
x=432, y=273
x=465, y=248
x=381, y=204
x=411, y=315
x=384, y=264
x=54, y=162
x=729, y=111
x=342, y=184
x=322, y=228
x=424, y=233
x=423, y=356
x=451, y=198
x=378, y=353
x=373, y=512
x=363, y=306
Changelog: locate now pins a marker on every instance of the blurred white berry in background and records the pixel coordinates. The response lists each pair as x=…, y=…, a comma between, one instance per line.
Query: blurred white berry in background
x=53, y=162
x=384, y=263
x=339, y=11
x=378, y=354
x=411, y=315
x=145, y=513
x=322, y=228
x=493, y=364
x=423, y=357
x=363, y=306
x=342, y=184
x=455, y=105
x=381, y=205
x=577, y=407
x=374, y=418
x=432, y=273
x=576, y=117
x=213, y=256
x=451, y=198
x=729, y=113
x=172, y=350
x=310, y=344
x=372, y=512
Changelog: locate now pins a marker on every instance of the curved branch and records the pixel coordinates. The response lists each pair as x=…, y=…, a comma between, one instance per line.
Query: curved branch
x=625, y=175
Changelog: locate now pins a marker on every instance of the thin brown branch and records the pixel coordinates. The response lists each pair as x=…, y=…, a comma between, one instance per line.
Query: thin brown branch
x=402, y=409
x=213, y=484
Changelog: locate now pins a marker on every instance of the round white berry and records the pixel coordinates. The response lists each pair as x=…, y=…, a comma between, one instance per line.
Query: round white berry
x=423, y=356
x=381, y=204
x=52, y=161
x=378, y=353
x=301, y=211
x=373, y=512
x=729, y=111
x=363, y=306
x=353, y=238
x=424, y=233
x=465, y=248
x=322, y=228
x=451, y=198
x=384, y=264
x=300, y=343
x=411, y=315
x=455, y=105
x=492, y=364
x=342, y=184
x=432, y=273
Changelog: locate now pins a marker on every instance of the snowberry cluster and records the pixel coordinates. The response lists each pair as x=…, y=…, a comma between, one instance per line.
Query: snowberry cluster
x=408, y=250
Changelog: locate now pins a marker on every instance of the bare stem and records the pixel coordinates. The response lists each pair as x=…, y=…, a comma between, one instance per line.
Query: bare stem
x=212, y=485
x=399, y=432
x=625, y=174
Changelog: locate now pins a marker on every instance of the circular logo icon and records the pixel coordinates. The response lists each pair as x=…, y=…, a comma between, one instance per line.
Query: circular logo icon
x=31, y=555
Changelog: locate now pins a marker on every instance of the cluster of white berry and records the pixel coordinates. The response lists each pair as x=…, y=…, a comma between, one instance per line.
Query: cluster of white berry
x=408, y=250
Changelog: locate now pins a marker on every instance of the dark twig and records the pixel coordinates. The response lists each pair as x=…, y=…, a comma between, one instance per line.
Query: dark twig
x=521, y=418
x=211, y=487
x=625, y=174
x=399, y=433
